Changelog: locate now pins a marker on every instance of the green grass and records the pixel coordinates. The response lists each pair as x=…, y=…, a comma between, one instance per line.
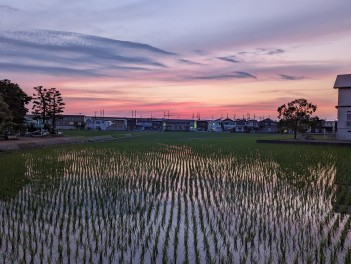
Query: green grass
x=92, y=133
x=131, y=199
x=294, y=158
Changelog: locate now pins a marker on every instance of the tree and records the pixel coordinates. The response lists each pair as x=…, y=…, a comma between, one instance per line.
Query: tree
x=56, y=105
x=41, y=100
x=296, y=115
x=47, y=103
x=16, y=99
x=5, y=116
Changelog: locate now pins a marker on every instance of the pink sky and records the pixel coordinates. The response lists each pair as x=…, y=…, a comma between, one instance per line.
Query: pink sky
x=188, y=58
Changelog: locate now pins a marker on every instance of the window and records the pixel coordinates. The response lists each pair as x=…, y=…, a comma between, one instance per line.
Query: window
x=348, y=120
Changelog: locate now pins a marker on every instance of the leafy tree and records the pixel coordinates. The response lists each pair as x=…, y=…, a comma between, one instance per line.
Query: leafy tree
x=47, y=104
x=16, y=99
x=5, y=116
x=296, y=115
x=41, y=101
x=56, y=105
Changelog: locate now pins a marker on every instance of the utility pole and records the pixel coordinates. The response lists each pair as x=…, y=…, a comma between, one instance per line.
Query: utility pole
x=167, y=115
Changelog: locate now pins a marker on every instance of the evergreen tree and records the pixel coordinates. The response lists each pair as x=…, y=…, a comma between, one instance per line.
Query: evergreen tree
x=41, y=102
x=56, y=106
x=48, y=104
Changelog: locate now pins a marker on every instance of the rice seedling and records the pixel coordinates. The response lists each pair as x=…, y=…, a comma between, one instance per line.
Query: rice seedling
x=176, y=202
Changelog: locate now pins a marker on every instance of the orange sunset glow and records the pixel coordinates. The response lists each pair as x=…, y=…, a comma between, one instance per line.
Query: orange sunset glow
x=197, y=58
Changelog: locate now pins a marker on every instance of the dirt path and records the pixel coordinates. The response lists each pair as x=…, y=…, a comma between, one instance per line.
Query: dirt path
x=41, y=142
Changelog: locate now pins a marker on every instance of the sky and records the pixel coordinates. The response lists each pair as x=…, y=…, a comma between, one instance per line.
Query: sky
x=202, y=58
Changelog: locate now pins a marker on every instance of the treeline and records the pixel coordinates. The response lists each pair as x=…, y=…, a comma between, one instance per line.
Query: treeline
x=47, y=104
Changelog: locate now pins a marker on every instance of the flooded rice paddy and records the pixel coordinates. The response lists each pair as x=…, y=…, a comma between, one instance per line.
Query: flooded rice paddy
x=172, y=204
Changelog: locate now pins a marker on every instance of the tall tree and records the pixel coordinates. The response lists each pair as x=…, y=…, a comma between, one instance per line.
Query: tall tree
x=16, y=99
x=41, y=101
x=296, y=115
x=56, y=105
x=5, y=116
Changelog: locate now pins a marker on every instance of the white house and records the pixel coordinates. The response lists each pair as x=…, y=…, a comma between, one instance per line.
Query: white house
x=98, y=124
x=343, y=83
x=215, y=126
x=228, y=124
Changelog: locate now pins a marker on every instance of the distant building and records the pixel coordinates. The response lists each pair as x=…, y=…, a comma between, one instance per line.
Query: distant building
x=98, y=124
x=343, y=83
x=70, y=122
x=239, y=125
x=62, y=122
x=251, y=125
x=201, y=125
x=228, y=124
x=181, y=125
x=267, y=126
x=215, y=126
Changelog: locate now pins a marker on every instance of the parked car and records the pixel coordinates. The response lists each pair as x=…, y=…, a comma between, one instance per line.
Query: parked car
x=39, y=133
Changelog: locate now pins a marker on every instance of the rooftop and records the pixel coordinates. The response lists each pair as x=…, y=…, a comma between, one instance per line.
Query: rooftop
x=343, y=81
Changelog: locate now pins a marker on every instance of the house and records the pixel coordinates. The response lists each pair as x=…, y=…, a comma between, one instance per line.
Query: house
x=143, y=124
x=239, y=125
x=330, y=126
x=62, y=122
x=71, y=122
x=343, y=84
x=98, y=123
x=323, y=127
x=118, y=124
x=201, y=125
x=267, y=126
x=157, y=124
x=215, y=126
x=228, y=124
x=178, y=125
x=251, y=125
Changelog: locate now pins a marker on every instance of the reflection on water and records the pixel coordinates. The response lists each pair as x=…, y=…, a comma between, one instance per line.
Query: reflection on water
x=342, y=198
x=171, y=204
x=13, y=176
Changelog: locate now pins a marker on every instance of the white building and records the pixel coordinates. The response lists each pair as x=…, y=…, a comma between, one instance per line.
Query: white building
x=215, y=126
x=343, y=83
x=228, y=124
x=98, y=124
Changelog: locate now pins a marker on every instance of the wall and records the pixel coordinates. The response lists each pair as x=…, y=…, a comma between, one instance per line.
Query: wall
x=344, y=108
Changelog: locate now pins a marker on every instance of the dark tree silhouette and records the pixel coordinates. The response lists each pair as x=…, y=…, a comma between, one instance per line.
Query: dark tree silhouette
x=296, y=115
x=41, y=100
x=48, y=104
x=16, y=99
x=56, y=106
x=5, y=116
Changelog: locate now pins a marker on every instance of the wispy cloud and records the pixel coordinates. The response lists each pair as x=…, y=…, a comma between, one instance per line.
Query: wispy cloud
x=263, y=51
x=6, y=8
x=200, y=52
x=234, y=75
x=229, y=59
x=190, y=62
x=290, y=77
x=271, y=51
x=51, y=52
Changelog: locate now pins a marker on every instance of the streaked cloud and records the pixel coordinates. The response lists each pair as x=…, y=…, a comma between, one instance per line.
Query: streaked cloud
x=272, y=51
x=234, y=75
x=180, y=55
x=7, y=8
x=190, y=62
x=290, y=78
x=229, y=59
x=66, y=53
